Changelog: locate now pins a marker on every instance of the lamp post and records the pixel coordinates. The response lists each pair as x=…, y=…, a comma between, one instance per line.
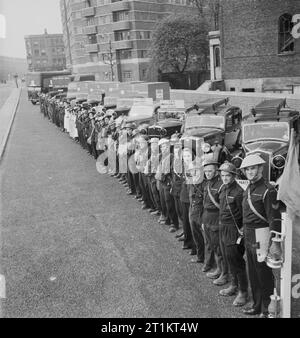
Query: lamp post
x=108, y=58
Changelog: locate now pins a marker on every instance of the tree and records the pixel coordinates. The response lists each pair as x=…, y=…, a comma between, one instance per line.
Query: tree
x=180, y=42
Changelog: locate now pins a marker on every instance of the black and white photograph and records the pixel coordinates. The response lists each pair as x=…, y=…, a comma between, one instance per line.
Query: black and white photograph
x=149, y=162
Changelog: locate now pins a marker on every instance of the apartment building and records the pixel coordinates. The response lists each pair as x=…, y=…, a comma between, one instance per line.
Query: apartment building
x=45, y=52
x=111, y=38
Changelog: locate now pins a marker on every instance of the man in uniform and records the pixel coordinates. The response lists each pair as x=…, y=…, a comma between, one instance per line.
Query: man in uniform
x=261, y=214
x=231, y=240
x=196, y=210
x=210, y=220
x=166, y=178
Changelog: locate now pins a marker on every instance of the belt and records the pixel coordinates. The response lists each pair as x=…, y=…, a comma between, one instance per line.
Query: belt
x=251, y=226
x=212, y=210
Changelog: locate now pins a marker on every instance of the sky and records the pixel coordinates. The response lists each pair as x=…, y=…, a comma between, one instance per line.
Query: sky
x=25, y=17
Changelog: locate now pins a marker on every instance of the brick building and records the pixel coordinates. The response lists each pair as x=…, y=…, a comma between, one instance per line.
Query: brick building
x=254, y=49
x=112, y=37
x=45, y=52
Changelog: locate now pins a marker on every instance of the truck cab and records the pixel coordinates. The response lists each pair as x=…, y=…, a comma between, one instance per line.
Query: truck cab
x=219, y=124
x=267, y=132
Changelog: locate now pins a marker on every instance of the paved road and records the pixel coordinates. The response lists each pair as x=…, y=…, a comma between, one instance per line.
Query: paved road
x=75, y=245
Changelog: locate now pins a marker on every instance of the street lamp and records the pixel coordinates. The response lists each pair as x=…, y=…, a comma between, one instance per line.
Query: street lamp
x=108, y=58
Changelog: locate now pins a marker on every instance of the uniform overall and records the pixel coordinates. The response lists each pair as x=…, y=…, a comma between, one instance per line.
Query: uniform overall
x=263, y=197
x=210, y=221
x=231, y=219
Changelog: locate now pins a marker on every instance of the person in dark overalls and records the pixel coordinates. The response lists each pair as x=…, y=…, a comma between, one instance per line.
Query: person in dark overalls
x=188, y=157
x=231, y=234
x=210, y=219
x=177, y=179
x=166, y=178
x=261, y=214
x=196, y=210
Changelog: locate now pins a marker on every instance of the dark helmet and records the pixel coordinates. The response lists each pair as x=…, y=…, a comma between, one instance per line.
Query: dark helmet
x=210, y=162
x=228, y=167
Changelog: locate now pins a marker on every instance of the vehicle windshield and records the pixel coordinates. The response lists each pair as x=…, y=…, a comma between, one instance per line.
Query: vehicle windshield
x=209, y=121
x=162, y=115
x=264, y=131
x=141, y=111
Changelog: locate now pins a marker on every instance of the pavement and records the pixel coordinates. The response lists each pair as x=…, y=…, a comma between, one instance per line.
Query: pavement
x=9, y=100
x=75, y=245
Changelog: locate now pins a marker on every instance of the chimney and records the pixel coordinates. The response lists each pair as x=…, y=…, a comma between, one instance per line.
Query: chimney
x=45, y=31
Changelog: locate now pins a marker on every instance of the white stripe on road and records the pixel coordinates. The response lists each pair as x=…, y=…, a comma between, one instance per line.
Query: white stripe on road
x=2, y=287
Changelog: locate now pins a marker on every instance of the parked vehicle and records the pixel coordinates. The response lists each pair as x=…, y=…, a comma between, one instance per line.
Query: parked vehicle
x=219, y=124
x=266, y=131
x=169, y=117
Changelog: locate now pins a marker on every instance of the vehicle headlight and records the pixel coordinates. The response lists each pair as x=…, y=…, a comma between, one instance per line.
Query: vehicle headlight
x=278, y=162
x=206, y=147
x=163, y=132
x=237, y=161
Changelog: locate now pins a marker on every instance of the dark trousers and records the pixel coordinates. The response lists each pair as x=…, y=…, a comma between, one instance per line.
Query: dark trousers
x=188, y=238
x=178, y=207
x=94, y=150
x=170, y=204
x=145, y=190
x=224, y=259
x=237, y=266
x=130, y=181
x=155, y=194
x=162, y=200
x=212, y=247
x=195, y=222
x=261, y=281
x=232, y=253
x=137, y=184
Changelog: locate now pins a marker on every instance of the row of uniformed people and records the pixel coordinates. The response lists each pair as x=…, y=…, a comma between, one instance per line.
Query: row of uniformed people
x=218, y=218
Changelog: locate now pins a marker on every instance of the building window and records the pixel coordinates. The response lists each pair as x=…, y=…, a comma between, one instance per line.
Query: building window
x=124, y=54
x=127, y=76
x=120, y=16
x=145, y=35
x=142, y=54
x=107, y=76
x=144, y=73
x=36, y=52
x=91, y=21
x=92, y=39
x=248, y=90
x=94, y=57
x=217, y=57
x=122, y=35
x=286, y=40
